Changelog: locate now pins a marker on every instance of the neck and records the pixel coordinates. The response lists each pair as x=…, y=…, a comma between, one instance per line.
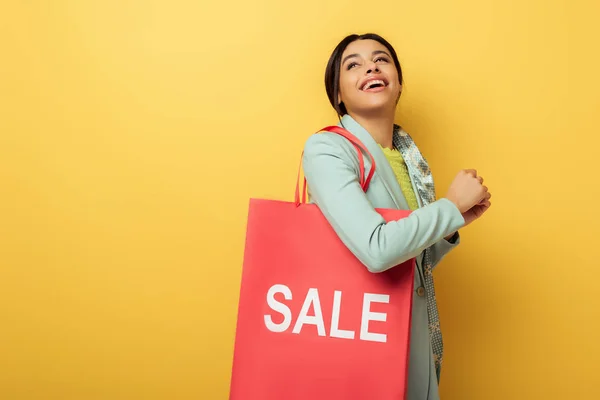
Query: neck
x=381, y=127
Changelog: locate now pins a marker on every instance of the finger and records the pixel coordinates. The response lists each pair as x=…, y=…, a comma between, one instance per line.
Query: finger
x=485, y=198
x=484, y=205
x=471, y=172
x=480, y=179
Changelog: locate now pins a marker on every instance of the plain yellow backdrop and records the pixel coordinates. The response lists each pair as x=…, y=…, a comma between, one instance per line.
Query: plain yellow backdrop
x=133, y=133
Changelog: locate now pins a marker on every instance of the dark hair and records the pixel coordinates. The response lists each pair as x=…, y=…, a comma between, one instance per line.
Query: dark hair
x=332, y=72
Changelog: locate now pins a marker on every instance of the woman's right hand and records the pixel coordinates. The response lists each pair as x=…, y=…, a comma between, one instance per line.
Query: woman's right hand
x=467, y=190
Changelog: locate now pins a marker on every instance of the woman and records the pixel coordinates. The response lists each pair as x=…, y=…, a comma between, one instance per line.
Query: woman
x=363, y=80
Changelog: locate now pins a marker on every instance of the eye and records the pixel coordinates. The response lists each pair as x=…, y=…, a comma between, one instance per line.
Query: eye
x=384, y=59
x=351, y=65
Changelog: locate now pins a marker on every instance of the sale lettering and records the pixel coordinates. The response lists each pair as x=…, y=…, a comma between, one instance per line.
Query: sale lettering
x=312, y=299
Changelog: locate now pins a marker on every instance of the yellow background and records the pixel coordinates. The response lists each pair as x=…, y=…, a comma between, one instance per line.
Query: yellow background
x=134, y=132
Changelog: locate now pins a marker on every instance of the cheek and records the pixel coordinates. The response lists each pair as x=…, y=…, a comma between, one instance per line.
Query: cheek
x=397, y=84
x=347, y=85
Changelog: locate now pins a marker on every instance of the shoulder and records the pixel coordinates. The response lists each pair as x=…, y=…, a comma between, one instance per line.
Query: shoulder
x=327, y=144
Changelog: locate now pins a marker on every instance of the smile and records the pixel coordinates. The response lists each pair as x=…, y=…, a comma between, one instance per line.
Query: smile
x=374, y=85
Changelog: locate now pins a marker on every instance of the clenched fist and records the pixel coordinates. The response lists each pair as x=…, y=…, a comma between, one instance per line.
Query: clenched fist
x=469, y=195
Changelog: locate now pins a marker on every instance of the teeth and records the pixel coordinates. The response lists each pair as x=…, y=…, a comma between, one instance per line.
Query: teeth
x=373, y=82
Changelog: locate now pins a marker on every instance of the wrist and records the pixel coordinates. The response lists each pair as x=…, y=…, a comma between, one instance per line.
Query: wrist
x=454, y=202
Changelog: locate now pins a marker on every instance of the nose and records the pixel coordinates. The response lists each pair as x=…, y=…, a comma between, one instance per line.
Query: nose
x=372, y=68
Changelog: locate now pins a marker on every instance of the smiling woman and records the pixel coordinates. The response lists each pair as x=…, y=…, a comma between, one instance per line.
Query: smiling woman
x=363, y=80
x=348, y=56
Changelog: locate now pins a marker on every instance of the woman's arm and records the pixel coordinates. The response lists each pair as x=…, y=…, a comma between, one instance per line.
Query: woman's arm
x=335, y=188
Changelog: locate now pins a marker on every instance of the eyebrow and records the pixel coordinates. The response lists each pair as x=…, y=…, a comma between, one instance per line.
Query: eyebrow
x=372, y=54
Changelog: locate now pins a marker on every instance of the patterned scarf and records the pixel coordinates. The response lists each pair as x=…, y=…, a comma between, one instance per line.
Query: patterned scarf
x=421, y=176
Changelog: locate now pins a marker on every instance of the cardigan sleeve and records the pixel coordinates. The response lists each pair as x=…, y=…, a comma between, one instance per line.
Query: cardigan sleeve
x=335, y=189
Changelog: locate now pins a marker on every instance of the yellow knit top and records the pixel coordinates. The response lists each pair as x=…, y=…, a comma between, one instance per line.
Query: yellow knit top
x=400, y=169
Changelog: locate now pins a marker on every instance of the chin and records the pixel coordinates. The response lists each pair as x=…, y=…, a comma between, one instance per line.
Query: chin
x=377, y=107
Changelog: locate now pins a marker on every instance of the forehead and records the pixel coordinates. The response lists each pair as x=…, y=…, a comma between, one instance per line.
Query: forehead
x=364, y=48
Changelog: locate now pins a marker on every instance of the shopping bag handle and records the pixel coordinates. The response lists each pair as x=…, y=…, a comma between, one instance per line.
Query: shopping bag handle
x=364, y=182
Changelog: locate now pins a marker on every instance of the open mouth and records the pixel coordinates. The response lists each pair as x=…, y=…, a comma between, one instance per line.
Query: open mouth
x=374, y=85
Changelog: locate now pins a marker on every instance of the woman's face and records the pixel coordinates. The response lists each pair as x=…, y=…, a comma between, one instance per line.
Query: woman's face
x=368, y=78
